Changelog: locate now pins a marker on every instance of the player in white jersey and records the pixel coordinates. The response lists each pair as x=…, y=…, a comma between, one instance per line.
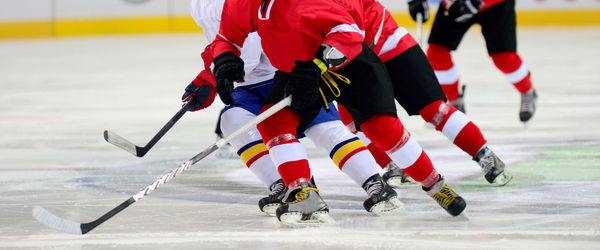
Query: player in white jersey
x=326, y=131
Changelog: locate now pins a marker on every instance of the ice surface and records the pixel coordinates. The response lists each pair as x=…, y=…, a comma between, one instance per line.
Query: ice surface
x=58, y=95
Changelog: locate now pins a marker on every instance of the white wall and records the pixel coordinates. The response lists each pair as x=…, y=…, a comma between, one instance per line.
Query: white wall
x=21, y=10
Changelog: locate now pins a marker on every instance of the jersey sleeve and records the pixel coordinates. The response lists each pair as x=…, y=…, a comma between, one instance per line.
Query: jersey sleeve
x=339, y=26
x=236, y=24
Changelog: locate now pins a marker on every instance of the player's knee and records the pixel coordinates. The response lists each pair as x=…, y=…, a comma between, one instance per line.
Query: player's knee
x=507, y=62
x=439, y=57
x=385, y=130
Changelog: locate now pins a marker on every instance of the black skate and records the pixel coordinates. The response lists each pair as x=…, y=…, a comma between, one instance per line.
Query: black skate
x=395, y=177
x=382, y=198
x=303, y=206
x=446, y=197
x=459, y=103
x=492, y=167
x=269, y=204
x=527, y=109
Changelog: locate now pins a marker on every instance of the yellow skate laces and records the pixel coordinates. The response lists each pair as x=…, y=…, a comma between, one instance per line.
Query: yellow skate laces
x=328, y=78
x=444, y=197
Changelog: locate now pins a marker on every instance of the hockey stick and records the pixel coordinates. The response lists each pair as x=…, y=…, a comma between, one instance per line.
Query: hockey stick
x=138, y=151
x=53, y=221
x=420, y=29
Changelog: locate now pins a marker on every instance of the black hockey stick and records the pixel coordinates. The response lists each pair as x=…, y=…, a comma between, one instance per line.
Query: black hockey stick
x=53, y=221
x=138, y=151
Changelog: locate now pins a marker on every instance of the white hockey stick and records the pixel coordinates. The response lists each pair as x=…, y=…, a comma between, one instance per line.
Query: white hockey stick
x=60, y=224
x=420, y=29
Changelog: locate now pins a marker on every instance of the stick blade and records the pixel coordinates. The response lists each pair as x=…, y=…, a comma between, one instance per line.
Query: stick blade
x=55, y=222
x=120, y=142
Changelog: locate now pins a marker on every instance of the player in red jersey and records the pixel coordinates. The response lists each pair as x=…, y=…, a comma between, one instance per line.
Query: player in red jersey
x=498, y=26
x=418, y=91
x=318, y=48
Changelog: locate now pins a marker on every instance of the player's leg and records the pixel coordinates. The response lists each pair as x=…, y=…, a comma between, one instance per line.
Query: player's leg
x=352, y=157
x=393, y=175
x=444, y=37
x=418, y=92
x=250, y=146
x=370, y=101
x=302, y=202
x=498, y=26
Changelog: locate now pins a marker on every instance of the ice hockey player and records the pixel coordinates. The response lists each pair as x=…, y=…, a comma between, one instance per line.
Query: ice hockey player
x=418, y=92
x=498, y=26
x=307, y=41
x=326, y=131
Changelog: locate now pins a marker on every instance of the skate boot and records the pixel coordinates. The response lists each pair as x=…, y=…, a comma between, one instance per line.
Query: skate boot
x=382, y=198
x=395, y=177
x=446, y=197
x=528, y=101
x=492, y=166
x=459, y=103
x=269, y=204
x=303, y=206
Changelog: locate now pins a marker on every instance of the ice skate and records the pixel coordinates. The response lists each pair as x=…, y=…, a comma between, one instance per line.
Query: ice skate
x=269, y=204
x=382, y=198
x=528, y=101
x=395, y=177
x=303, y=206
x=446, y=197
x=492, y=166
x=459, y=103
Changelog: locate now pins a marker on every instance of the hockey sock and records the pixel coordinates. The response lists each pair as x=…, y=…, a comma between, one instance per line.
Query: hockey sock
x=288, y=154
x=250, y=146
x=380, y=156
x=404, y=150
x=346, y=150
x=455, y=125
x=514, y=69
x=447, y=74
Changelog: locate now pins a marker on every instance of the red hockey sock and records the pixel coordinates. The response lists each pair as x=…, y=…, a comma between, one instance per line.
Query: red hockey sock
x=440, y=59
x=454, y=125
x=514, y=69
x=386, y=138
x=422, y=171
x=279, y=134
x=380, y=156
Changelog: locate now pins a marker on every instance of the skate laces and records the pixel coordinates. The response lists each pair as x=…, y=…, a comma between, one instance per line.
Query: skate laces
x=527, y=101
x=445, y=196
x=328, y=78
x=373, y=187
x=303, y=193
x=276, y=188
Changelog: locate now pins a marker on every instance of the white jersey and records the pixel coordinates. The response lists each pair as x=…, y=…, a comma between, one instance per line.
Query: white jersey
x=207, y=14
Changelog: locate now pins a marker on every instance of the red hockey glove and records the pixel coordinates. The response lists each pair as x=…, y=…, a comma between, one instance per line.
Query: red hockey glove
x=462, y=10
x=418, y=6
x=229, y=68
x=201, y=91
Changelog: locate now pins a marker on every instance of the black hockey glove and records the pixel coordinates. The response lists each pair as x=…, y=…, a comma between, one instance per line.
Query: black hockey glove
x=462, y=10
x=229, y=68
x=303, y=85
x=418, y=6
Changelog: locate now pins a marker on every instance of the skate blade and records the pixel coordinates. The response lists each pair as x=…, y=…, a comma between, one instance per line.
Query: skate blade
x=389, y=207
x=270, y=209
x=295, y=219
x=502, y=179
x=396, y=182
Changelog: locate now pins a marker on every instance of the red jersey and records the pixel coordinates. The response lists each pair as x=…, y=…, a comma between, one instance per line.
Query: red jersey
x=292, y=30
x=486, y=3
x=392, y=39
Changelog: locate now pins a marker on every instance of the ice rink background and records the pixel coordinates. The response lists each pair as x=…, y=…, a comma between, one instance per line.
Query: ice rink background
x=58, y=95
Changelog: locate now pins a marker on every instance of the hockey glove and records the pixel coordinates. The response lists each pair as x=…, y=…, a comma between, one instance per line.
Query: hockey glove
x=229, y=68
x=303, y=85
x=462, y=10
x=418, y=6
x=201, y=91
